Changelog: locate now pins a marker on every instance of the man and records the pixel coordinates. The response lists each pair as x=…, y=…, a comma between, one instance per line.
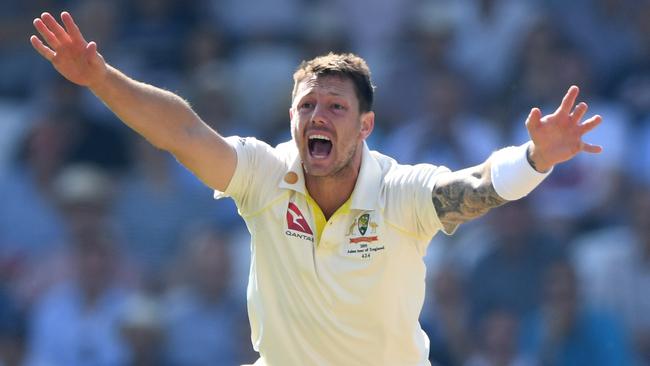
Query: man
x=338, y=232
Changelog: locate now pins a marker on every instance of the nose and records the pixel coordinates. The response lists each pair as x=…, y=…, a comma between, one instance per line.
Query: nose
x=318, y=116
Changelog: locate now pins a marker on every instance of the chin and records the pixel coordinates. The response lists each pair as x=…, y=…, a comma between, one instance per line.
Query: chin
x=317, y=170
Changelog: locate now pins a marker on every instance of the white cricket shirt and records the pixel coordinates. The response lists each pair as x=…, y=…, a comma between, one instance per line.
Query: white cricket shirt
x=347, y=291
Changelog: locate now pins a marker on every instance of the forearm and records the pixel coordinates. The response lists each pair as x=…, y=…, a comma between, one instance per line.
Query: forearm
x=506, y=175
x=160, y=116
x=464, y=195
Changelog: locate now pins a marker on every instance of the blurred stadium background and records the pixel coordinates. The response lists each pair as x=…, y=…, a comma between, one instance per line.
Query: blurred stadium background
x=113, y=254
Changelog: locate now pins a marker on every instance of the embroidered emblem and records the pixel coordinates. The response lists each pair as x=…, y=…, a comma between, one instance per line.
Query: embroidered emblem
x=363, y=238
x=361, y=224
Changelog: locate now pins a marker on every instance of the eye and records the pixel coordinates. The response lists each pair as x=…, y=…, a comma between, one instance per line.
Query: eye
x=338, y=106
x=306, y=105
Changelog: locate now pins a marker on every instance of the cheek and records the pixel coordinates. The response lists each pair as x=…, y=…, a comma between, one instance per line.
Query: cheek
x=295, y=128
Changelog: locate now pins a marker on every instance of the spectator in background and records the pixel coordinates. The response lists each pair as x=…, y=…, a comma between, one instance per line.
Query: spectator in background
x=530, y=80
x=446, y=131
x=142, y=328
x=633, y=84
x=615, y=268
x=204, y=325
x=158, y=33
x=497, y=343
x=566, y=333
x=266, y=49
x=373, y=40
x=153, y=206
x=75, y=322
x=30, y=224
x=590, y=24
x=509, y=275
x=488, y=35
x=445, y=317
x=634, y=91
x=82, y=195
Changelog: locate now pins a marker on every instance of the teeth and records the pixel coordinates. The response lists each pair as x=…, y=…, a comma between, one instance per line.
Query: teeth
x=320, y=137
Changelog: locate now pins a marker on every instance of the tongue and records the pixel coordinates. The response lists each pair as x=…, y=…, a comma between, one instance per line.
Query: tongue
x=321, y=148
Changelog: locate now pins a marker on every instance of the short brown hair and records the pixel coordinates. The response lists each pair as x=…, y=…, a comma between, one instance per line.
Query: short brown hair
x=348, y=65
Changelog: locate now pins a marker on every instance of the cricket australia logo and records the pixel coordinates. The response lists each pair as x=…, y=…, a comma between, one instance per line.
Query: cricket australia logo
x=361, y=225
x=363, y=238
x=297, y=225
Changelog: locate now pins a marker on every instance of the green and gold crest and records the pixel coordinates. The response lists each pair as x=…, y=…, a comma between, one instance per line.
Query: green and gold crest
x=363, y=223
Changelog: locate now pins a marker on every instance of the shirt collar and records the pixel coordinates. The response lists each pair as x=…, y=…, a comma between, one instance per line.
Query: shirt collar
x=294, y=167
x=365, y=195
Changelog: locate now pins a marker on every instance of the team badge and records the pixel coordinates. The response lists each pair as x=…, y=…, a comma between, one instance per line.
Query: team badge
x=363, y=237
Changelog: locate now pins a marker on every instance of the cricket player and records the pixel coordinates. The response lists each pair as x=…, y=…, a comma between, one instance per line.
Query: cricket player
x=338, y=231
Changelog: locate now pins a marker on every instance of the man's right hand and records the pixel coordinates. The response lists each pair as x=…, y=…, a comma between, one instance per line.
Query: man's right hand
x=68, y=51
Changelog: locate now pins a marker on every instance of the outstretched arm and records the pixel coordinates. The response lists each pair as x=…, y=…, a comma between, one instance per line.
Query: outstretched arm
x=469, y=193
x=163, y=118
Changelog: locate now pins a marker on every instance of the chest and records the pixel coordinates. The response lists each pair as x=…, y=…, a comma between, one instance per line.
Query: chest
x=353, y=251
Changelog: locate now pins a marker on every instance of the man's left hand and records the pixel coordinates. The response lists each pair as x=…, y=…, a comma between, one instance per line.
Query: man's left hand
x=557, y=137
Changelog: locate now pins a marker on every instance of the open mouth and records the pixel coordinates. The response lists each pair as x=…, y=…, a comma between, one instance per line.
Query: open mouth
x=319, y=146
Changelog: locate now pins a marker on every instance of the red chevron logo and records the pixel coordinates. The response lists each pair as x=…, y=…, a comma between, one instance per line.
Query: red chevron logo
x=296, y=221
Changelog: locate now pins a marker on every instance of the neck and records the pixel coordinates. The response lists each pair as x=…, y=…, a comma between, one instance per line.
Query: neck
x=329, y=193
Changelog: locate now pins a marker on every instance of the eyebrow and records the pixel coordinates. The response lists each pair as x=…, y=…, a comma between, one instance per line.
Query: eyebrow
x=328, y=93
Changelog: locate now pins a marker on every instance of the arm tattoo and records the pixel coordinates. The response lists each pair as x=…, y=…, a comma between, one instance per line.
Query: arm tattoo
x=465, y=195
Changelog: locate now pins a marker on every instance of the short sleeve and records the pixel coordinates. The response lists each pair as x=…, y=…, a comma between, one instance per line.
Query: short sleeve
x=409, y=202
x=251, y=186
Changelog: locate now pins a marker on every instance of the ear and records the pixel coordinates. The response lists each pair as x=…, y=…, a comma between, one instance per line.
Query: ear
x=367, y=124
x=290, y=113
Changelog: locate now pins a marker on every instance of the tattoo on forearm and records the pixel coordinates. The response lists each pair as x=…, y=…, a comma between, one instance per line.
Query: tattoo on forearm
x=462, y=199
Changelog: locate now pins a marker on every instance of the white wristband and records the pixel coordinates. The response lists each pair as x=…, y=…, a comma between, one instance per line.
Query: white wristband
x=512, y=175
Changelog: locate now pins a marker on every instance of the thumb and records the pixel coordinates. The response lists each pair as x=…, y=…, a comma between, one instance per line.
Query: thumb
x=94, y=57
x=534, y=118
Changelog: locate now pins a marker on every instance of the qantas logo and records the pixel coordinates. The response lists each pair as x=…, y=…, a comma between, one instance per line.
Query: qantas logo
x=296, y=221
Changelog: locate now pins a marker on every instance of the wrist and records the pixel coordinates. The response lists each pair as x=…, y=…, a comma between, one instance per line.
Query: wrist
x=535, y=160
x=100, y=80
x=512, y=173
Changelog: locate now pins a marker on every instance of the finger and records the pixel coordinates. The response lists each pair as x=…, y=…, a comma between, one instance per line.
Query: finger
x=590, y=124
x=534, y=119
x=594, y=149
x=45, y=32
x=91, y=53
x=42, y=49
x=579, y=111
x=569, y=100
x=55, y=27
x=71, y=27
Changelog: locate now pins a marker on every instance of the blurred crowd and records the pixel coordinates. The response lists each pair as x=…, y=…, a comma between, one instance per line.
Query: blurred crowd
x=111, y=253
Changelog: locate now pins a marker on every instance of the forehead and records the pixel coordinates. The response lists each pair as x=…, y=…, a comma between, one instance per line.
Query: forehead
x=330, y=84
